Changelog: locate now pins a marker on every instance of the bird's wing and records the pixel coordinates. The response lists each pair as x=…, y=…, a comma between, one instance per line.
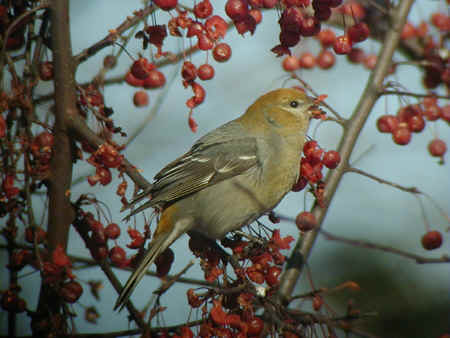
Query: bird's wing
x=219, y=155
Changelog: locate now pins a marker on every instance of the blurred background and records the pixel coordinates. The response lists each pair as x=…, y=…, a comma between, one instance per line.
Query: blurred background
x=410, y=300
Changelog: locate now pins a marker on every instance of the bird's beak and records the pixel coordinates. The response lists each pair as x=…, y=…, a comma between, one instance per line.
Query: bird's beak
x=315, y=111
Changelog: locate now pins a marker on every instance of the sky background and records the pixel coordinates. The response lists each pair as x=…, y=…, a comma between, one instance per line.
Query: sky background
x=361, y=209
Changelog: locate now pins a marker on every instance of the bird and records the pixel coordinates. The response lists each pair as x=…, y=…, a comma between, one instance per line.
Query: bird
x=229, y=178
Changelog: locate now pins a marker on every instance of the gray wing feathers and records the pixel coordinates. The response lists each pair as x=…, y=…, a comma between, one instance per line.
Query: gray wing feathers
x=212, y=159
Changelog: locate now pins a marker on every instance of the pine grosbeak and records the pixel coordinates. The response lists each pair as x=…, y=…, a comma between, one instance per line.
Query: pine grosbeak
x=230, y=177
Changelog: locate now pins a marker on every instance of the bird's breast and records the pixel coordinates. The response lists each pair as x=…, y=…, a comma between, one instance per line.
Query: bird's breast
x=238, y=201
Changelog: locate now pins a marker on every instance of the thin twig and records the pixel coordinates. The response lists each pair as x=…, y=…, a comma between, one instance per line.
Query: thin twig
x=412, y=190
x=370, y=245
x=401, y=93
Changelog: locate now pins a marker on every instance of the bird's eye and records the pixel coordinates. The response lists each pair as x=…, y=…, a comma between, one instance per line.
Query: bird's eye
x=294, y=104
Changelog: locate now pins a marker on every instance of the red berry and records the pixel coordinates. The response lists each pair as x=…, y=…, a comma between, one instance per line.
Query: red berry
x=11, y=302
x=204, y=42
x=432, y=112
x=155, y=79
x=402, y=135
x=437, y=147
x=222, y=52
x=309, y=26
x=307, y=60
x=112, y=231
x=71, y=291
x=353, y=9
x=133, y=81
x=272, y=275
x=321, y=12
x=164, y=262
x=291, y=20
x=408, y=32
x=141, y=67
x=256, y=14
x=203, y=9
x=358, y=32
x=387, y=123
x=331, y=159
x=326, y=37
x=305, y=221
x=236, y=9
x=416, y=123
x=289, y=39
x=326, y=59
x=205, y=72
x=356, y=55
x=255, y=326
x=166, y=5
x=118, y=256
x=300, y=185
x=269, y=3
x=432, y=240
x=188, y=71
x=140, y=98
x=441, y=21
x=370, y=61
x=195, y=29
x=46, y=71
x=31, y=233
x=445, y=113
x=342, y=45
x=291, y=63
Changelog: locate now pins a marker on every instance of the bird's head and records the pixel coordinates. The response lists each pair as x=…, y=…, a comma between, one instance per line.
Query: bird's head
x=284, y=110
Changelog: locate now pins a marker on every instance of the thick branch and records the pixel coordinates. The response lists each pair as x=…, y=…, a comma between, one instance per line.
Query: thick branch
x=60, y=212
x=352, y=130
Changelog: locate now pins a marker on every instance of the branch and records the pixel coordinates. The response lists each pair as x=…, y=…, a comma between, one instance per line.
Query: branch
x=370, y=245
x=19, y=20
x=412, y=190
x=60, y=212
x=399, y=93
x=83, y=132
x=303, y=247
x=112, y=36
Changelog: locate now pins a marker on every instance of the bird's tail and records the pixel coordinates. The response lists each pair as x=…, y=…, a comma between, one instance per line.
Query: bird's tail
x=159, y=243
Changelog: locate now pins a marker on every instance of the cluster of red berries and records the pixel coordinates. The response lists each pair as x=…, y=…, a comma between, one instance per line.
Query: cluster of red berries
x=56, y=268
x=39, y=166
x=437, y=69
x=230, y=315
x=343, y=44
x=412, y=119
x=10, y=300
x=208, y=29
x=104, y=158
x=100, y=235
x=294, y=23
x=312, y=163
x=144, y=74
